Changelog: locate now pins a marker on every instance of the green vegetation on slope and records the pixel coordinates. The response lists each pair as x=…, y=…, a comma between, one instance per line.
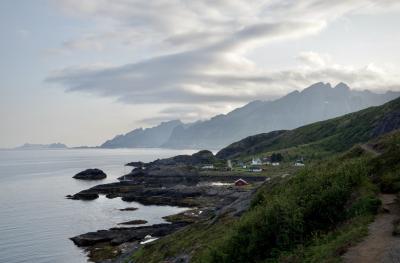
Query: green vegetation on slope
x=314, y=215
x=330, y=136
x=314, y=201
x=191, y=241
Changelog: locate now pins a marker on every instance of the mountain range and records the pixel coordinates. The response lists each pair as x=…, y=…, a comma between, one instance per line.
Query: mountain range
x=318, y=102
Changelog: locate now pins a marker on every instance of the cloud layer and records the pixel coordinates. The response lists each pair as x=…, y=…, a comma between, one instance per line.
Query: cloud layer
x=197, y=49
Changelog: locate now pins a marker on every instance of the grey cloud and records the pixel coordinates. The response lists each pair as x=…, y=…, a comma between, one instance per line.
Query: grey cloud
x=195, y=75
x=189, y=113
x=211, y=67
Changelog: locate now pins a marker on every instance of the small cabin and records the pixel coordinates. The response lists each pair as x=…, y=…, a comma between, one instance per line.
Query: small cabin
x=241, y=182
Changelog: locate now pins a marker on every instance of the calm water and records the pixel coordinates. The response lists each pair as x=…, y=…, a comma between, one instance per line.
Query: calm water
x=35, y=218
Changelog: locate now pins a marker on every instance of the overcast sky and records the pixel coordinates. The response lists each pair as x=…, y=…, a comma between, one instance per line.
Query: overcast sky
x=82, y=71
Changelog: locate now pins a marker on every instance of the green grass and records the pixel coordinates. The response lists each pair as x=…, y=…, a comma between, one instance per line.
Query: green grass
x=312, y=216
x=329, y=247
x=321, y=206
x=191, y=240
x=314, y=201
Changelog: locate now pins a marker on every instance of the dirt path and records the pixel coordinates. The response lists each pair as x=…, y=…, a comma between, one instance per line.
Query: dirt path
x=369, y=149
x=380, y=245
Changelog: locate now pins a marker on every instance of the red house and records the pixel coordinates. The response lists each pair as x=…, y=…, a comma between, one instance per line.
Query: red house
x=241, y=182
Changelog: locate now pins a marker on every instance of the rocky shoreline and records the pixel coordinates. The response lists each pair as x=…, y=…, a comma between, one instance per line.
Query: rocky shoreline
x=175, y=181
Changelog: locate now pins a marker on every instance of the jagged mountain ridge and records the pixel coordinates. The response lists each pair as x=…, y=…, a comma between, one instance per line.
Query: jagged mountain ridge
x=315, y=103
x=331, y=136
x=318, y=102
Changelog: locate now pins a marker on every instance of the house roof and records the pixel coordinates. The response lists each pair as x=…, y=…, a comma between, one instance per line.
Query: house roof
x=241, y=180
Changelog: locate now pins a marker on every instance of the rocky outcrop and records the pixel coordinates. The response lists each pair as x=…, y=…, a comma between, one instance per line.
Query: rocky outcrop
x=116, y=236
x=83, y=196
x=136, y=164
x=90, y=174
x=199, y=158
x=134, y=222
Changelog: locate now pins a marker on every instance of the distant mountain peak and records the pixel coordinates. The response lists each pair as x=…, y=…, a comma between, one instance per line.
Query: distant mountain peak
x=319, y=86
x=342, y=86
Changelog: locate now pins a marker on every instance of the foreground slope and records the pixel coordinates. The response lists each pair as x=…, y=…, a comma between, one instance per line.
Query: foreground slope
x=313, y=216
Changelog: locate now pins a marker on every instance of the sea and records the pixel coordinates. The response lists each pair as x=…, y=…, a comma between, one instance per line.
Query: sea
x=36, y=220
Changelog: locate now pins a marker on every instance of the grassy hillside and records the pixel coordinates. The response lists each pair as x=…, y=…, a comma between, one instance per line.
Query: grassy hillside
x=315, y=214
x=312, y=216
x=326, y=137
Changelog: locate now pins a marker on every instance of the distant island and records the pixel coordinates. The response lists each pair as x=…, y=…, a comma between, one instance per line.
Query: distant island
x=30, y=146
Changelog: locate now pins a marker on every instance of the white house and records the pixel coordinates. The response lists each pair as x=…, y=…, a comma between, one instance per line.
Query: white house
x=256, y=161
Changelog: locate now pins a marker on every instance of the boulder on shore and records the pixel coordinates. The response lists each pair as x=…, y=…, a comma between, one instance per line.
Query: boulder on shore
x=90, y=174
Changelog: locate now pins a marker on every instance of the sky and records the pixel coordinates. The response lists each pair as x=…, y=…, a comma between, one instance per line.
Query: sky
x=82, y=71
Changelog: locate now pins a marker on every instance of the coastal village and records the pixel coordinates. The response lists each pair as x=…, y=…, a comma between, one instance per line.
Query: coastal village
x=267, y=166
x=255, y=165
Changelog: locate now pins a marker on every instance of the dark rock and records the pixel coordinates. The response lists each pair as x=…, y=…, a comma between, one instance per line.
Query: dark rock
x=136, y=164
x=91, y=174
x=134, y=222
x=129, y=209
x=83, y=196
x=201, y=157
x=116, y=236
